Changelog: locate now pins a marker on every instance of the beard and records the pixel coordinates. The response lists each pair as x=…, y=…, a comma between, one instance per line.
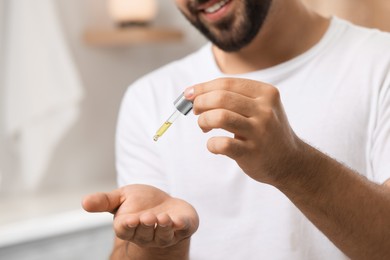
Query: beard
x=235, y=31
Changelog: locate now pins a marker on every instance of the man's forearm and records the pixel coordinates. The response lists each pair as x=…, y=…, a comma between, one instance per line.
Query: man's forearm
x=126, y=250
x=351, y=211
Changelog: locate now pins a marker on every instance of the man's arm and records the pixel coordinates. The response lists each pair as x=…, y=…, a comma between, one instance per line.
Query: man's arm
x=351, y=211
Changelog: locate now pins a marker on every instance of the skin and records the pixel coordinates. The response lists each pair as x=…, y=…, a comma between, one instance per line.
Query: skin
x=150, y=224
x=356, y=219
x=232, y=32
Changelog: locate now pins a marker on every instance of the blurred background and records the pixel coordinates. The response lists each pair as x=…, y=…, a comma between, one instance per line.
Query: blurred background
x=64, y=67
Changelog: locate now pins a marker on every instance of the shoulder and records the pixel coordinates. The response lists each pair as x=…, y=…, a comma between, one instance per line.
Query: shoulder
x=361, y=51
x=365, y=40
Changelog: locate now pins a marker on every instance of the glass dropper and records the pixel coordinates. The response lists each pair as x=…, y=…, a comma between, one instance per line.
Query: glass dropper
x=183, y=106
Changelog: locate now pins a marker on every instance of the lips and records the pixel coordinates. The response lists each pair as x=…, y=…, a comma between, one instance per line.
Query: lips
x=213, y=6
x=211, y=11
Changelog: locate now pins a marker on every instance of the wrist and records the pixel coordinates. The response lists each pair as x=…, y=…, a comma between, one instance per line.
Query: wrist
x=302, y=175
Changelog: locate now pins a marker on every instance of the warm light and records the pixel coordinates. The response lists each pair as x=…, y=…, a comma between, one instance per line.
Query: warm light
x=132, y=11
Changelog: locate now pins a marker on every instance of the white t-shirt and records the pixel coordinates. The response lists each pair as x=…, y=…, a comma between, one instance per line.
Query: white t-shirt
x=337, y=98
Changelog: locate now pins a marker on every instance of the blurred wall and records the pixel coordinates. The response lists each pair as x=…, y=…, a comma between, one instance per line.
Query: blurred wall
x=369, y=13
x=86, y=154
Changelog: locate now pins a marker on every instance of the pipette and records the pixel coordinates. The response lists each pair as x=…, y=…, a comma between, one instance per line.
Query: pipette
x=183, y=106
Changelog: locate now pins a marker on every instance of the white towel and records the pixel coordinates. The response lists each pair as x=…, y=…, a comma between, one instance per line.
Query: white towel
x=42, y=89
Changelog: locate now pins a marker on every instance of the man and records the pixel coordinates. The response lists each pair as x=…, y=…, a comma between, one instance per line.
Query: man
x=295, y=111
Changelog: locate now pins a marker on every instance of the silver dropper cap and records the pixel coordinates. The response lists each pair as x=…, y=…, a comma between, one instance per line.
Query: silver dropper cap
x=183, y=105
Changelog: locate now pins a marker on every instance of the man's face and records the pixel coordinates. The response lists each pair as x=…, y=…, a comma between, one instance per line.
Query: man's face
x=229, y=24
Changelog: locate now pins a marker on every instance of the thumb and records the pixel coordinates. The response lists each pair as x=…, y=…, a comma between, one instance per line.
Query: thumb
x=103, y=201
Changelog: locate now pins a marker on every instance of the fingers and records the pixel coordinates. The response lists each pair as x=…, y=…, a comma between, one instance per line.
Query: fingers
x=245, y=87
x=136, y=228
x=182, y=228
x=246, y=108
x=226, y=100
x=149, y=230
x=164, y=231
x=144, y=234
x=102, y=202
x=125, y=227
x=242, y=96
x=231, y=147
x=227, y=120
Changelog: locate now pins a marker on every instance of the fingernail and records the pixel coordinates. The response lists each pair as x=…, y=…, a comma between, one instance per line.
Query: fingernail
x=189, y=92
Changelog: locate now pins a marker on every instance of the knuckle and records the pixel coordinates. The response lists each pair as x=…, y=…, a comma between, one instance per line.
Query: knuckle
x=268, y=113
x=214, y=119
x=199, y=89
x=266, y=121
x=222, y=98
x=222, y=117
x=227, y=82
x=225, y=145
x=202, y=121
x=273, y=93
x=197, y=104
x=218, y=145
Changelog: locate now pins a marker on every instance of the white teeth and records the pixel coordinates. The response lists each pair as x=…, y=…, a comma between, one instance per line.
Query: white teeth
x=215, y=7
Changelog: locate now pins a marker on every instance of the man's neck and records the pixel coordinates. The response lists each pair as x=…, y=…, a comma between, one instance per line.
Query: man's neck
x=290, y=30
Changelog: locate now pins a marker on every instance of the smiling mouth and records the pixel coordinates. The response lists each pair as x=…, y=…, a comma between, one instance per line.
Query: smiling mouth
x=215, y=7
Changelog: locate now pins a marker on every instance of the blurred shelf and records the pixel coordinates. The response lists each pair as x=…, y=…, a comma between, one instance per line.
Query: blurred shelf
x=122, y=37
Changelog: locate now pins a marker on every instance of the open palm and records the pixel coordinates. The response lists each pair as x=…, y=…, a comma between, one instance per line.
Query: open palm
x=146, y=215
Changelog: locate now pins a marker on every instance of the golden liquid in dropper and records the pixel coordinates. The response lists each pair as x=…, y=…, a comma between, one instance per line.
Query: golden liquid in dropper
x=162, y=130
